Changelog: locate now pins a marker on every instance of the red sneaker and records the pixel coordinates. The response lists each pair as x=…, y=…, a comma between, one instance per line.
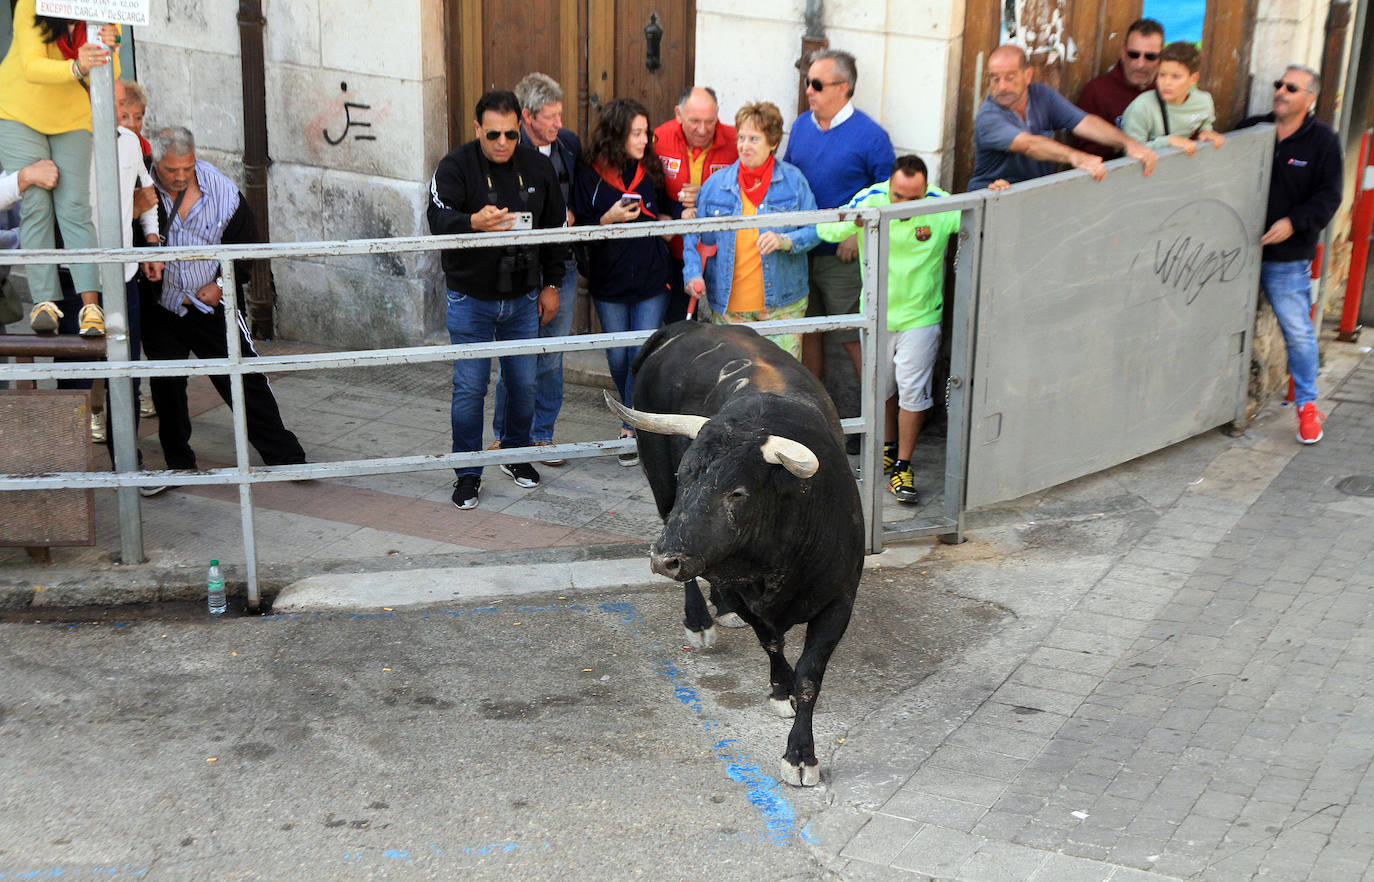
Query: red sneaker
x=1310, y=423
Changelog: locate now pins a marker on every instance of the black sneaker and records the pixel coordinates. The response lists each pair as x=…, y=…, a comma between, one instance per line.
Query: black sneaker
x=465, y=491
x=853, y=444
x=522, y=473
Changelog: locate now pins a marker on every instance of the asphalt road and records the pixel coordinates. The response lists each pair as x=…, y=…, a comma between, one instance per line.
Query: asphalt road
x=551, y=738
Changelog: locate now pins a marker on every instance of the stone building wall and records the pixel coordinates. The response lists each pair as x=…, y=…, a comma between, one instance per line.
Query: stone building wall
x=356, y=123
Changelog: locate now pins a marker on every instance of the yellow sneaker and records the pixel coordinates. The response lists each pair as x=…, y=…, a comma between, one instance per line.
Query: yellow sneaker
x=91, y=320
x=44, y=317
x=903, y=486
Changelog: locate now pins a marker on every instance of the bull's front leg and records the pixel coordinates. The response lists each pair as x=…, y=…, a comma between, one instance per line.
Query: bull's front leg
x=780, y=675
x=697, y=623
x=800, y=767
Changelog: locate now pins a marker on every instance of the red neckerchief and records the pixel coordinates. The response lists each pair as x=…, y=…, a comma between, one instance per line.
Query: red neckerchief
x=754, y=181
x=615, y=179
x=68, y=45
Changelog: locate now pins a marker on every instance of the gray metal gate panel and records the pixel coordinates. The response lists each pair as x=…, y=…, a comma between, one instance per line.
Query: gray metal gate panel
x=1115, y=316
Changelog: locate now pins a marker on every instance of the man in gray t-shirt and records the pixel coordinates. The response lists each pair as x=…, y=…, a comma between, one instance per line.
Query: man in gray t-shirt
x=1013, y=135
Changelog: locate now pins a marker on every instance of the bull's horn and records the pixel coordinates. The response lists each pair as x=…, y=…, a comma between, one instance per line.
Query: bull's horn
x=794, y=456
x=660, y=423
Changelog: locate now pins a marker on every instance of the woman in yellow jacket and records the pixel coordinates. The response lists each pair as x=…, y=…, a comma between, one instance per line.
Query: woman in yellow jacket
x=45, y=113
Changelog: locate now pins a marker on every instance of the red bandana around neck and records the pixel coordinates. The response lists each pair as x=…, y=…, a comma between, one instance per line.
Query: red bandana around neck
x=754, y=181
x=68, y=44
x=615, y=179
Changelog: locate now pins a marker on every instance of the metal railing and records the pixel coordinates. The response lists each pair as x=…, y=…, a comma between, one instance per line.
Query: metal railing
x=871, y=323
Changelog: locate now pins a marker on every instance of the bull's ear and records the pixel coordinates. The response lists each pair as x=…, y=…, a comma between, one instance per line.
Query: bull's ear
x=659, y=423
x=794, y=456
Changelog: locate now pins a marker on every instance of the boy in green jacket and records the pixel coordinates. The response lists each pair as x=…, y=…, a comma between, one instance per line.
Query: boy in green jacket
x=915, y=302
x=1175, y=113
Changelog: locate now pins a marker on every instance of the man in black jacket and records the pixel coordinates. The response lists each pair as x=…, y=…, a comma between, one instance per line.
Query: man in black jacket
x=505, y=292
x=1304, y=192
x=199, y=205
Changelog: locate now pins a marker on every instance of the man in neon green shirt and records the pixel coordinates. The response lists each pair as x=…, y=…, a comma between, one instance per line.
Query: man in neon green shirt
x=915, y=303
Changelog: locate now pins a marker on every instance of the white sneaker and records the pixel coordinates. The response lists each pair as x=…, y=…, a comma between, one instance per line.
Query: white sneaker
x=98, y=426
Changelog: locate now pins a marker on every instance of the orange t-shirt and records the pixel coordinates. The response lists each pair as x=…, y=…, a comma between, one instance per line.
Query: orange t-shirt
x=746, y=291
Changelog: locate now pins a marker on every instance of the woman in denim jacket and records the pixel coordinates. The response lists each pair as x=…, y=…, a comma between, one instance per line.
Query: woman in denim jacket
x=755, y=274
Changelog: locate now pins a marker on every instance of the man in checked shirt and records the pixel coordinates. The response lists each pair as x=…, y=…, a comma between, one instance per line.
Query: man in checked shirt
x=198, y=205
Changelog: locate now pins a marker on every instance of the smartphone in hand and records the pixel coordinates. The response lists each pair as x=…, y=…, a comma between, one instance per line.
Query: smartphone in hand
x=628, y=199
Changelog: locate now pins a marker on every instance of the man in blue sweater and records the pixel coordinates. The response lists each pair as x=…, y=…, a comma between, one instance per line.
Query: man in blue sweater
x=841, y=150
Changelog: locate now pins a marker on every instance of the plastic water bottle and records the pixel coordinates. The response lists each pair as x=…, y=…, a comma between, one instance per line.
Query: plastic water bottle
x=214, y=590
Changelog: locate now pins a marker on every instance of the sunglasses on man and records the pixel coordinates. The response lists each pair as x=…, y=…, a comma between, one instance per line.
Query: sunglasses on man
x=1284, y=84
x=494, y=134
x=818, y=86
x=1135, y=54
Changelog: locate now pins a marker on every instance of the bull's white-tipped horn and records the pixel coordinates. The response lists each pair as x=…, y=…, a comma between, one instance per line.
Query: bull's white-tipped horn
x=794, y=456
x=660, y=423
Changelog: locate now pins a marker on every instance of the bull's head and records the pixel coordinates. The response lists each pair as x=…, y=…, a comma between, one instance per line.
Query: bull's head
x=794, y=456
x=725, y=506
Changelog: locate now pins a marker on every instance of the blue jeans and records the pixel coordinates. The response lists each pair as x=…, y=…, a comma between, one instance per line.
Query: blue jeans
x=1288, y=286
x=483, y=321
x=641, y=315
x=548, y=373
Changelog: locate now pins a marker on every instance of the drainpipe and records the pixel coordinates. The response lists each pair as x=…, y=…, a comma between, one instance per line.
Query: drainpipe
x=261, y=294
x=813, y=40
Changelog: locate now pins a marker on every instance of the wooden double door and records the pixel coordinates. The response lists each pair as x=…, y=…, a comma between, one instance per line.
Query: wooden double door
x=596, y=49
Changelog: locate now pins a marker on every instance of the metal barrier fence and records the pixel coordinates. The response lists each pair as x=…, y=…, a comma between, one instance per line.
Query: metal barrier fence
x=871, y=323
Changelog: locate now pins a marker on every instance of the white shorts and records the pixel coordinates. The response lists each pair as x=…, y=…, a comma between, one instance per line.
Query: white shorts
x=909, y=363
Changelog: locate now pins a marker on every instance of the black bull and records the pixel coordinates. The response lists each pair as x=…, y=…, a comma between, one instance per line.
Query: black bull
x=745, y=456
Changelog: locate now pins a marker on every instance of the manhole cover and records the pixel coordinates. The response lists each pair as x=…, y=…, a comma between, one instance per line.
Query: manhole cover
x=1357, y=485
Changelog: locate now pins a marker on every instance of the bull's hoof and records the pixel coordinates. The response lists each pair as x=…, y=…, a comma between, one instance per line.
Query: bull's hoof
x=804, y=775
x=782, y=707
x=701, y=639
x=731, y=620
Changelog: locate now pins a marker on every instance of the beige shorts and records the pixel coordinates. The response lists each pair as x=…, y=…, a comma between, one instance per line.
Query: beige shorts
x=909, y=364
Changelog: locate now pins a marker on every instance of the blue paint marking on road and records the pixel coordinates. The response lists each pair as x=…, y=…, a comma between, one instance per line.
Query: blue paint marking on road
x=765, y=794
x=435, y=850
x=626, y=611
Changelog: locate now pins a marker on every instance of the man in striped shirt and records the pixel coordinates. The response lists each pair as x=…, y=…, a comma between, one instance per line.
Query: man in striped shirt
x=199, y=205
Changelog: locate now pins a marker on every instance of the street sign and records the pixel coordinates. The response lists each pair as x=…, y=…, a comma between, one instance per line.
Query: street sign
x=129, y=12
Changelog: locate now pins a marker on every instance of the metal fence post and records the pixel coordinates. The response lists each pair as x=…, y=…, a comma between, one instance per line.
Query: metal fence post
x=110, y=234
x=233, y=325
x=967, y=263
x=875, y=233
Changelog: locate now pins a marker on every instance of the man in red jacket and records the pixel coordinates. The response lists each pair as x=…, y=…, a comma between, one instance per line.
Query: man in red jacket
x=1107, y=95
x=692, y=146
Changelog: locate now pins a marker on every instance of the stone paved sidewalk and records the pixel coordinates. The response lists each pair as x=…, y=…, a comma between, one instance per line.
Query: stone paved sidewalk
x=1204, y=711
